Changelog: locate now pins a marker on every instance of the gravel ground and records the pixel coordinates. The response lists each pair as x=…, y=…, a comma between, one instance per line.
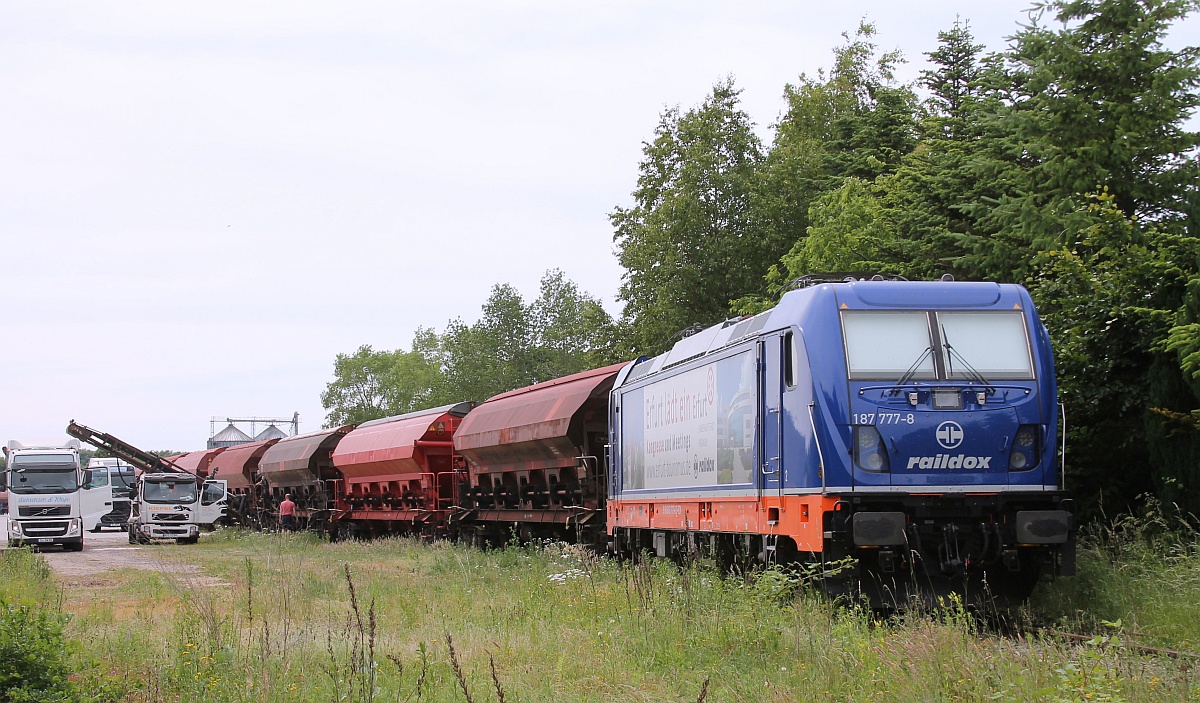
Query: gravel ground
x=108, y=551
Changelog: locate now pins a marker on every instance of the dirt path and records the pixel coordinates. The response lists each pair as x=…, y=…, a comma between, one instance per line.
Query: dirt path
x=110, y=550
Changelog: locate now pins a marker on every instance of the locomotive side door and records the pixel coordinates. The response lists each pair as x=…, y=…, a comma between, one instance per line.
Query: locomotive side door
x=770, y=438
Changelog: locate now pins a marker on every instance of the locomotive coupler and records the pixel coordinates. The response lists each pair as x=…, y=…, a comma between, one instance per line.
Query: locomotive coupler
x=951, y=560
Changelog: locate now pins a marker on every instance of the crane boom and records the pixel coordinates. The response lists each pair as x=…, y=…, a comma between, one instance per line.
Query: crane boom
x=144, y=461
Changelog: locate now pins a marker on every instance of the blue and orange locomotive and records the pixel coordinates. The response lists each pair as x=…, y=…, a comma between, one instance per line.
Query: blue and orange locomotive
x=910, y=425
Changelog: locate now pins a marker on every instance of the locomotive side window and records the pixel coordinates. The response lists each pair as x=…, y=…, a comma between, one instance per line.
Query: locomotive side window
x=888, y=345
x=994, y=345
x=789, y=360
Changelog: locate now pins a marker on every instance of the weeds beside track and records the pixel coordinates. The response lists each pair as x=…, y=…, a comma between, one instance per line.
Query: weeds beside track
x=275, y=618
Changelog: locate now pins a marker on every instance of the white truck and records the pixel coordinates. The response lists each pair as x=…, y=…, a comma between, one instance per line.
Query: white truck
x=122, y=477
x=174, y=505
x=51, y=499
x=167, y=502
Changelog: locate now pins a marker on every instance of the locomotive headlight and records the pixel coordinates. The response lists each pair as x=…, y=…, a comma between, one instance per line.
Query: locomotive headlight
x=1025, y=449
x=870, y=454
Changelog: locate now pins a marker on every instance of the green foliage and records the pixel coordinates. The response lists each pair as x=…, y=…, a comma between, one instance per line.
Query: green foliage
x=849, y=231
x=1140, y=568
x=1096, y=102
x=691, y=243
x=1109, y=300
x=34, y=660
x=370, y=384
x=512, y=344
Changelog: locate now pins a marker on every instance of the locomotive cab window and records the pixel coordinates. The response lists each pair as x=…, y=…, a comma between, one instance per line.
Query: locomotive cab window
x=888, y=345
x=917, y=345
x=994, y=345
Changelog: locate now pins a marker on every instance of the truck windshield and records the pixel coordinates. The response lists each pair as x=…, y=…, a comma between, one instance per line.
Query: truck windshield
x=123, y=476
x=43, y=478
x=173, y=491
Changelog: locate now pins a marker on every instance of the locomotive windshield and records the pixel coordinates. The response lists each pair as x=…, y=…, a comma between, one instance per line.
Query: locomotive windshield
x=918, y=345
x=994, y=344
x=888, y=345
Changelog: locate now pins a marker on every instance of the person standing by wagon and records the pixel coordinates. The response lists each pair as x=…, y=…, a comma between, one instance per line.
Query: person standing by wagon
x=287, y=512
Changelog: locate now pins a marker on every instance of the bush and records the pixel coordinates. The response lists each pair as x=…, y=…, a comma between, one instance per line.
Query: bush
x=33, y=655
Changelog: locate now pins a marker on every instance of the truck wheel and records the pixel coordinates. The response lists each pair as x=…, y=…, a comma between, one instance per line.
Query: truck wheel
x=187, y=540
x=72, y=547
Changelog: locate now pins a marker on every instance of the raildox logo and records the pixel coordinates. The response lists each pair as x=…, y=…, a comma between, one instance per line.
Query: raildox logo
x=949, y=434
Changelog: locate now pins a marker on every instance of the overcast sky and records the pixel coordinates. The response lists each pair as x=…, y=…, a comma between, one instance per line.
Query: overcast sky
x=202, y=203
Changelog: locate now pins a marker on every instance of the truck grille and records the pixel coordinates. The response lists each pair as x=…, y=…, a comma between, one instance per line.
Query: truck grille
x=43, y=511
x=49, y=528
x=170, y=517
x=118, y=516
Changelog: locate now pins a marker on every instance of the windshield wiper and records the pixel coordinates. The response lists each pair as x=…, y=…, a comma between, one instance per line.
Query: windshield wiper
x=972, y=373
x=912, y=370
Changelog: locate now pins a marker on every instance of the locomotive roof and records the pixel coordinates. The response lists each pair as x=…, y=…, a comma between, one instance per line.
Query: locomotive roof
x=853, y=294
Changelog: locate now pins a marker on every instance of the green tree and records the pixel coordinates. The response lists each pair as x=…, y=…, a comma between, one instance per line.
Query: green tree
x=690, y=243
x=371, y=384
x=511, y=345
x=848, y=232
x=1097, y=101
x=927, y=197
x=1109, y=299
x=855, y=122
x=496, y=353
x=574, y=331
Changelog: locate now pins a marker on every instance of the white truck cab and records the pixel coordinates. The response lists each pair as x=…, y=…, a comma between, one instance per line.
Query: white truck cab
x=122, y=476
x=172, y=505
x=51, y=499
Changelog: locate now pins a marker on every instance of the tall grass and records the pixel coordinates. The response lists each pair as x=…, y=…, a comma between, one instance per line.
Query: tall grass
x=275, y=618
x=1141, y=569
